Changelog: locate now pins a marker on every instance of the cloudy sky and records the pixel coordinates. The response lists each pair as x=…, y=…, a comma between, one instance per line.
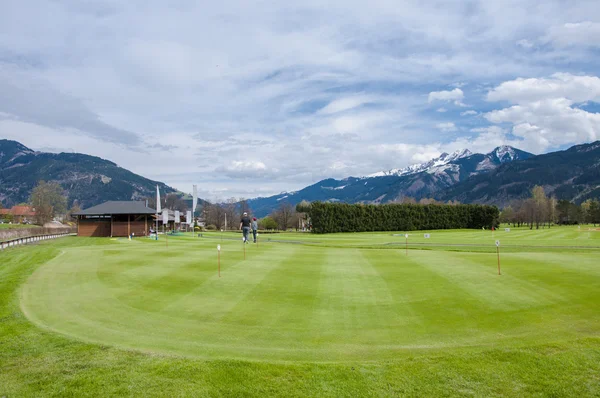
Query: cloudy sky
x=253, y=98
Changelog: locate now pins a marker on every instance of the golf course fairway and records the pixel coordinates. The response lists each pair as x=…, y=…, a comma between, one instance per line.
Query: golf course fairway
x=333, y=298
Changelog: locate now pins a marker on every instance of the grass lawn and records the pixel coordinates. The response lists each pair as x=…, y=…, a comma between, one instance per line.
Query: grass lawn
x=304, y=315
x=13, y=226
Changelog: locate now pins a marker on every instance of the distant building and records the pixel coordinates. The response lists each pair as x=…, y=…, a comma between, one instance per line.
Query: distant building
x=19, y=214
x=173, y=223
x=115, y=218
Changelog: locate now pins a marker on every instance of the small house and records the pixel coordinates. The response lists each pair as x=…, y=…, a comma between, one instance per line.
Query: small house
x=115, y=218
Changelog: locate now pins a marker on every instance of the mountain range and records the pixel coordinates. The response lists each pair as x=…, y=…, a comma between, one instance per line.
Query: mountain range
x=498, y=177
x=88, y=179
x=572, y=174
x=418, y=181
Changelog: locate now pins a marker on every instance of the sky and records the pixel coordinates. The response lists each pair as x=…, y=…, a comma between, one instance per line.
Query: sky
x=251, y=99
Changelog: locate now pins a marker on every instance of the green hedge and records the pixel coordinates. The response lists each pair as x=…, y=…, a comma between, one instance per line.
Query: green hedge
x=341, y=217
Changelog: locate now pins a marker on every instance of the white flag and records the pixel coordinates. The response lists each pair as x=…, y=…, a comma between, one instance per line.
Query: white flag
x=177, y=217
x=195, y=199
x=157, y=200
x=188, y=217
x=165, y=216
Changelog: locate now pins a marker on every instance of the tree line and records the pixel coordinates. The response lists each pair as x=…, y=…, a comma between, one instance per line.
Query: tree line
x=342, y=217
x=215, y=214
x=539, y=210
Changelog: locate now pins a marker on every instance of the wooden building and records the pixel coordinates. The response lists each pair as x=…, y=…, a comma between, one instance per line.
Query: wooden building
x=115, y=218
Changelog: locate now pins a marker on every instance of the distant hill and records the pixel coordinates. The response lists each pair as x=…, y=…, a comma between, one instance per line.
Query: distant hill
x=417, y=181
x=573, y=174
x=88, y=179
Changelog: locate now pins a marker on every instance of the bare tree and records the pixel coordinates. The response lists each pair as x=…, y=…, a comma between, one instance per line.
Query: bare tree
x=528, y=210
x=215, y=215
x=233, y=217
x=174, y=202
x=74, y=209
x=551, y=212
x=540, y=205
x=427, y=201
x=283, y=215
x=507, y=215
x=48, y=199
x=244, y=206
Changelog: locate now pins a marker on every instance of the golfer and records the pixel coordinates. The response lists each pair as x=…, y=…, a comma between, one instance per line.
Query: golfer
x=245, y=226
x=254, y=228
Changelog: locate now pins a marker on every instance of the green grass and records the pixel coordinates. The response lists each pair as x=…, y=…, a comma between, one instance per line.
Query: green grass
x=304, y=315
x=15, y=226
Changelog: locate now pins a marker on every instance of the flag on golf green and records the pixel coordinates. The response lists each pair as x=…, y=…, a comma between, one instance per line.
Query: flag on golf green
x=158, y=210
x=195, y=199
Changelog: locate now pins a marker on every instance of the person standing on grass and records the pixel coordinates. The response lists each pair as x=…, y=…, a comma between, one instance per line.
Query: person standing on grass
x=254, y=228
x=245, y=226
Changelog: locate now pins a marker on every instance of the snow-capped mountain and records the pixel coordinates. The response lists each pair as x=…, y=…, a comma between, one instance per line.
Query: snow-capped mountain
x=505, y=153
x=417, y=181
x=572, y=174
x=432, y=166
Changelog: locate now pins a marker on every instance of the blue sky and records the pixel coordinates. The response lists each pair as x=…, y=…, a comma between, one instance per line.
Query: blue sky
x=249, y=100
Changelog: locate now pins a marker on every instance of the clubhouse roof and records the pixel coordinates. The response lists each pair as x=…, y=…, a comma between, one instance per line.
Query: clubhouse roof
x=115, y=218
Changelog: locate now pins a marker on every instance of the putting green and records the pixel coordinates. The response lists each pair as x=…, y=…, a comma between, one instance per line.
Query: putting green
x=341, y=298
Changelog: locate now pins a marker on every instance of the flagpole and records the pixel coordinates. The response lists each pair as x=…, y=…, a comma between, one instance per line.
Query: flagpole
x=157, y=209
x=194, y=205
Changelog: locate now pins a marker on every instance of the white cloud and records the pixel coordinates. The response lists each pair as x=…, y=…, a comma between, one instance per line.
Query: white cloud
x=242, y=169
x=405, y=154
x=485, y=140
x=572, y=34
x=525, y=43
x=32, y=100
x=344, y=104
x=550, y=123
x=559, y=85
x=446, y=127
x=442, y=110
x=545, y=115
x=469, y=113
x=454, y=95
x=303, y=87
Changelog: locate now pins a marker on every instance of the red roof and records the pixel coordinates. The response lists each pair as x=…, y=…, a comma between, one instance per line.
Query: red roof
x=25, y=211
x=22, y=211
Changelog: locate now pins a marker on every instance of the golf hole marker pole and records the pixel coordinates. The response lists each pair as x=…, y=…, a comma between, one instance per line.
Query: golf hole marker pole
x=498, y=253
x=406, y=236
x=219, y=258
